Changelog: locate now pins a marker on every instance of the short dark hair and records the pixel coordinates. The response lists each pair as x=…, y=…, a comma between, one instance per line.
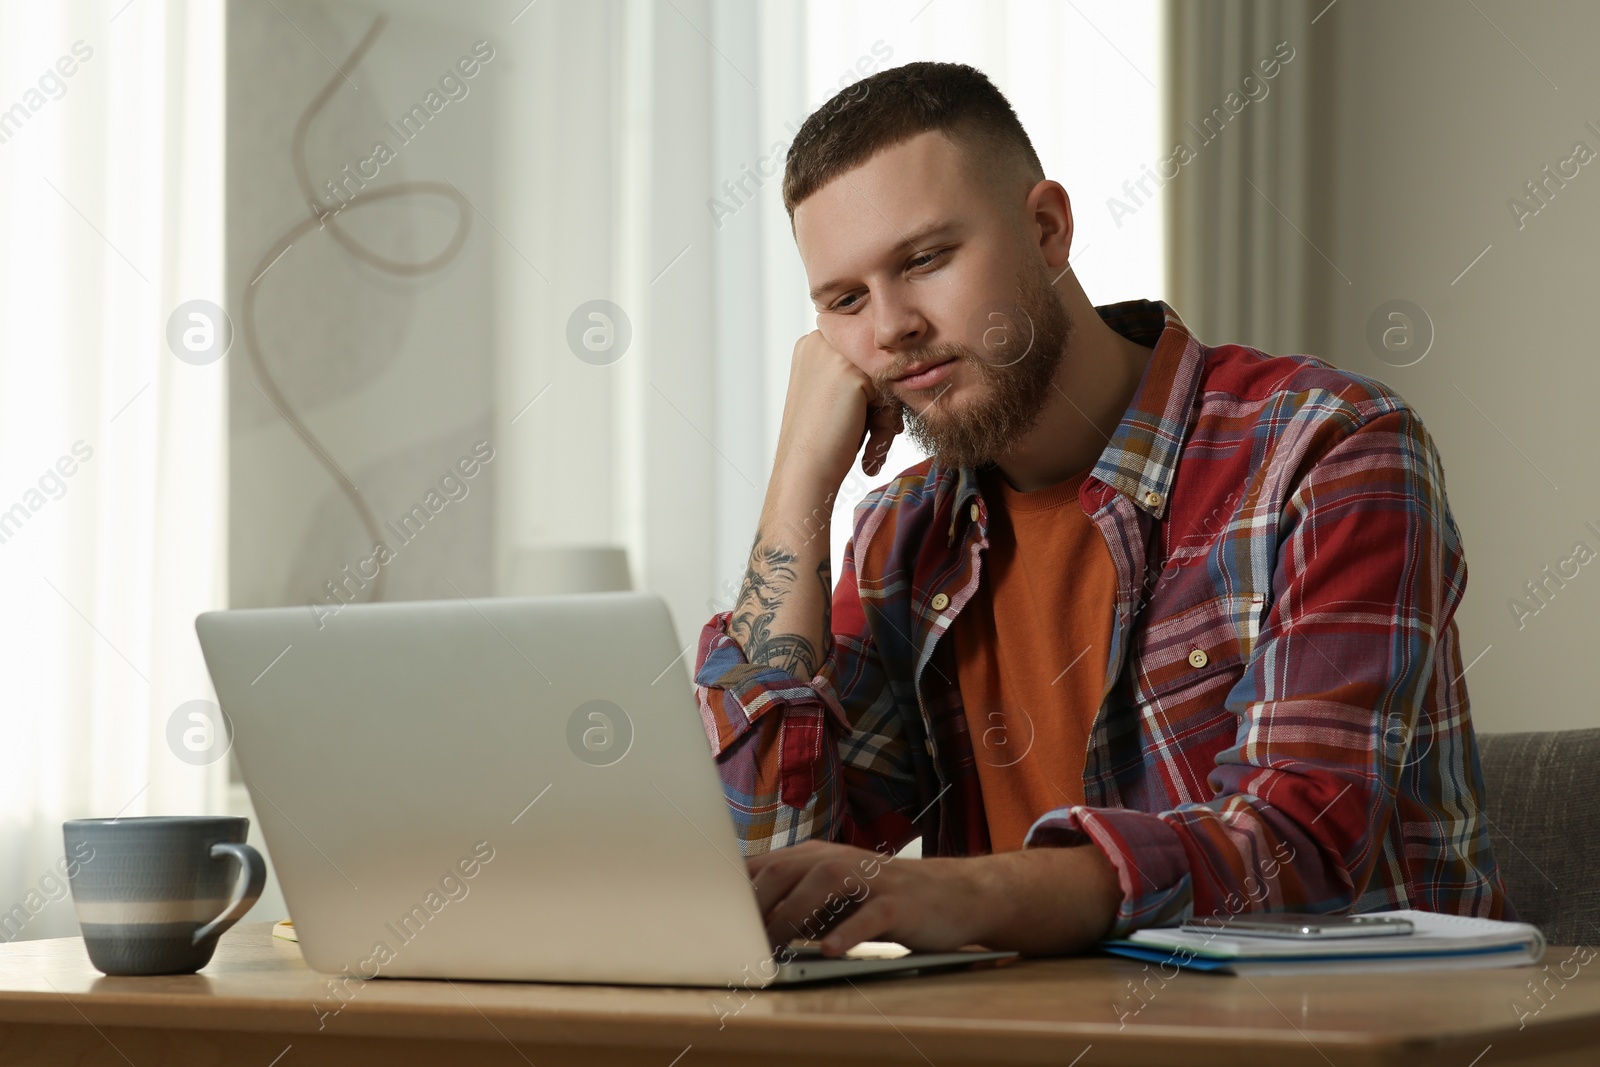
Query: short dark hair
x=895, y=105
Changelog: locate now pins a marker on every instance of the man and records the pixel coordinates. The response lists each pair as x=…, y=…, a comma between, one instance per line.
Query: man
x=1159, y=631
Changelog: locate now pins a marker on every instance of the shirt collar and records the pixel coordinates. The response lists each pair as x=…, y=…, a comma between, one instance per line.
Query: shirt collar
x=1142, y=458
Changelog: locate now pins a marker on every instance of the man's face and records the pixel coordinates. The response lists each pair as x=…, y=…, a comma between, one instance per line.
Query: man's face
x=930, y=287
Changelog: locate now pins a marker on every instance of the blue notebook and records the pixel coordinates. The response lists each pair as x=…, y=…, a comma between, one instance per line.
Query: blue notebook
x=1437, y=942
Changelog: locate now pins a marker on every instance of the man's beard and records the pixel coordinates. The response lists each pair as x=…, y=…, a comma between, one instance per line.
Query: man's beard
x=1019, y=348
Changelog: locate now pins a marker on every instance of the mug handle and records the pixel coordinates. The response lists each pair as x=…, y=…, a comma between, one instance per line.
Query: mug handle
x=245, y=891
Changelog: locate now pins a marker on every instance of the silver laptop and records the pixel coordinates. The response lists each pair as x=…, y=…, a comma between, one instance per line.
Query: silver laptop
x=512, y=789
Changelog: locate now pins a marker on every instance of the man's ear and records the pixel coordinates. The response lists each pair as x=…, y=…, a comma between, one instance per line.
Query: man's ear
x=1049, y=216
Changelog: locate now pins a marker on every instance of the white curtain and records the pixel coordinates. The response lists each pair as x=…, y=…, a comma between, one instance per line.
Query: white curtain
x=665, y=449
x=112, y=450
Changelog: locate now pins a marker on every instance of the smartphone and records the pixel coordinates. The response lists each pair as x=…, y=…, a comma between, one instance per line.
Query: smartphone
x=1302, y=926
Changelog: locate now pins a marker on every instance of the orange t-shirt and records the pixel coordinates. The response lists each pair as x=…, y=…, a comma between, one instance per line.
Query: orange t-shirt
x=1031, y=651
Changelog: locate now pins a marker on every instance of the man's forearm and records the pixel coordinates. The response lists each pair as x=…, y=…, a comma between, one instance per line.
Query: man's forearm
x=1048, y=901
x=783, y=615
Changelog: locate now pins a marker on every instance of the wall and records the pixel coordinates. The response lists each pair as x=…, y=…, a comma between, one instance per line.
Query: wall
x=378, y=343
x=1434, y=116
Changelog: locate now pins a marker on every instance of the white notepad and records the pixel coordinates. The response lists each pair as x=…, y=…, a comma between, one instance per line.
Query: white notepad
x=1438, y=942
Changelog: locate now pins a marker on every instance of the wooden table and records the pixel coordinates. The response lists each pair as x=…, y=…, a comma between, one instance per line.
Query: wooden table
x=257, y=1004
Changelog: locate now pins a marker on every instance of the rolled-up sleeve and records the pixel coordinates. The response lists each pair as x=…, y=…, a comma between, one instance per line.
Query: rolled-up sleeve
x=807, y=758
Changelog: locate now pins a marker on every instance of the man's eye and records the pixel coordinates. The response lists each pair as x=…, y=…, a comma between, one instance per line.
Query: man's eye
x=920, y=261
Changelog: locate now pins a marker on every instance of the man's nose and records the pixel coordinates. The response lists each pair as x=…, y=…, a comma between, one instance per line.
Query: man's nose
x=898, y=324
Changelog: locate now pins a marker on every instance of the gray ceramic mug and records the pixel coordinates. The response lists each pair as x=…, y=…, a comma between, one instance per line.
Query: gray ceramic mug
x=153, y=894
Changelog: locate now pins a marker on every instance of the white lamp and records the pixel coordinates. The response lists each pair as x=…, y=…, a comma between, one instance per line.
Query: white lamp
x=548, y=570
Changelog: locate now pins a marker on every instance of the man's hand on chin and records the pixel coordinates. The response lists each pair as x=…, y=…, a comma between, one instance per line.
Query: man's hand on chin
x=1040, y=901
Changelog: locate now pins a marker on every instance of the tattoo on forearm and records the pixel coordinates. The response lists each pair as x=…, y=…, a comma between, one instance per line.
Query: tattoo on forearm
x=768, y=581
x=825, y=576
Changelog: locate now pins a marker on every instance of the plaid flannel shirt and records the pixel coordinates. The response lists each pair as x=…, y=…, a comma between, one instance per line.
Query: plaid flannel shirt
x=1284, y=724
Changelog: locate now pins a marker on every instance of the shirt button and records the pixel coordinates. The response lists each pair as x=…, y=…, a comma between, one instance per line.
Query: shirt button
x=1153, y=499
x=1197, y=658
x=973, y=511
x=940, y=602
